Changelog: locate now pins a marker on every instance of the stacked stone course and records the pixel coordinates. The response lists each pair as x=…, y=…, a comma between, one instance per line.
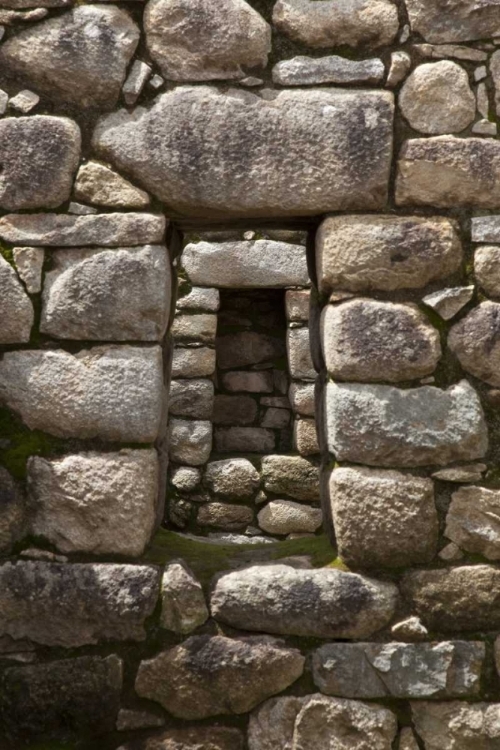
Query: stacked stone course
x=249, y=375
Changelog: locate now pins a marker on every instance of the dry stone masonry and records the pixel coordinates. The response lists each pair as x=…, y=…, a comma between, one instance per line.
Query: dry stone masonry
x=249, y=375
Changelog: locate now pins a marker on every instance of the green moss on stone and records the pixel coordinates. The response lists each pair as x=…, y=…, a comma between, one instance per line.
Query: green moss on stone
x=20, y=443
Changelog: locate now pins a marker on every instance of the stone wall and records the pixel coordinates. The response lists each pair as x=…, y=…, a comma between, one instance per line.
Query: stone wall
x=249, y=375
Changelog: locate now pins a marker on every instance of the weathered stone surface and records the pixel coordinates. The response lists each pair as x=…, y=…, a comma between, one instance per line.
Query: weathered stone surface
x=128, y=719
x=111, y=295
x=298, y=347
x=448, y=302
x=286, y=517
x=323, y=603
x=346, y=135
x=225, y=516
x=195, y=738
x=183, y=606
x=371, y=23
x=450, y=669
x=96, y=183
x=367, y=340
x=190, y=441
x=364, y=253
x=212, y=675
x=234, y=477
x=317, y=721
x=78, y=58
x=12, y=512
x=475, y=342
x=472, y=521
x=310, y=71
x=191, y=398
x=487, y=269
x=246, y=264
x=64, y=230
x=455, y=21
x=297, y=304
x=407, y=740
x=457, y=724
x=25, y=100
x=410, y=629
x=276, y=418
x=247, y=348
x=383, y=426
x=136, y=80
x=200, y=299
x=29, y=264
x=248, y=381
x=197, y=40
x=485, y=229
x=82, y=694
x=16, y=309
x=399, y=68
x=445, y=171
x=301, y=397
x=305, y=437
x=465, y=598
x=234, y=410
x=39, y=157
x=437, y=98
x=244, y=440
x=185, y=478
x=193, y=363
x=98, y=503
x=111, y=392
x=383, y=518
x=291, y=475
x=58, y=604
x=199, y=328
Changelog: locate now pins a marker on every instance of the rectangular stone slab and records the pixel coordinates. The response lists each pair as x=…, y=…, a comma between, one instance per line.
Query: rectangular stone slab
x=239, y=154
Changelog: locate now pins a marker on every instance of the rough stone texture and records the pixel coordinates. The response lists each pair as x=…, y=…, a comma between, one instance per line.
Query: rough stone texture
x=64, y=230
x=211, y=675
x=291, y=475
x=487, y=269
x=383, y=518
x=183, y=606
x=371, y=23
x=195, y=738
x=200, y=328
x=185, y=478
x=190, y=441
x=495, y=74
x=407, y=740
x=12, y=512
x=463, y=473
x=96, y=183
x=382, y=426
x=455, y=21
x=287, y=517
x=410, y=629
x=346, y=135
x=446, y=172
x=200, y=299
x=197, y=40
x=385, y=253
x=322, y=603
x=399, y=68
x=234, y=477
x=111, y=295
x=485, y=229
x=58, y=604
x=39, y=157
x=449, y=600
x=193, y=363
x=110, y=392
x=319, y=722
x=78, y=58
x=16, y=309
x=246, y=264
x=298, y=347
x=128, y=719
x=457, y=724
x=82, y=693
x=476, y=343
x=136, y=80
x=437, y=98
x=234, y=410
x=191, y=398
x=367, y=340
x=247, y=348
x=301, y=397
x=250, y=382
x=29, y=265
x=97, y=503
x=450, y=669
x=244, y=440
x=297, y=304
x=473, y=521
x=225, y=516
x=309, y=71
x=448, y=302
x=305, y=437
